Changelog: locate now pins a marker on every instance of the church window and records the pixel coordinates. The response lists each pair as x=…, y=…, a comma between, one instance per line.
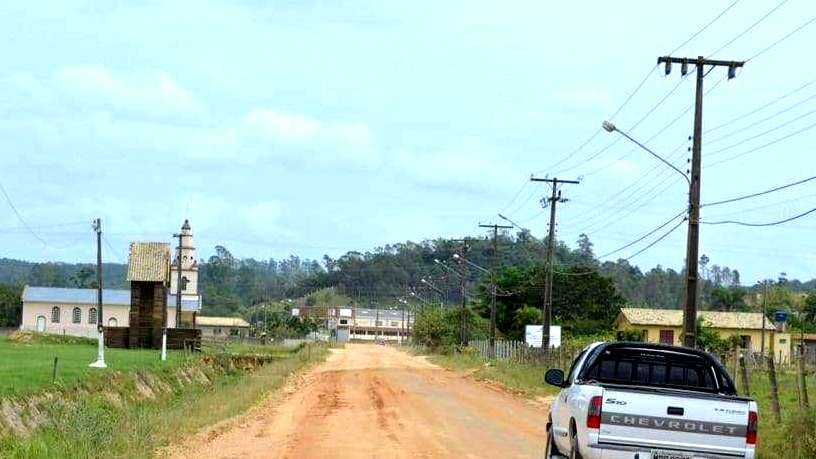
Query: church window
x=76, y=316
x=55, y=314
x=92, y=316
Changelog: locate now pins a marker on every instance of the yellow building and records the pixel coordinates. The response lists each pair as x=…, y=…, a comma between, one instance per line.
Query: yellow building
x=666, y=326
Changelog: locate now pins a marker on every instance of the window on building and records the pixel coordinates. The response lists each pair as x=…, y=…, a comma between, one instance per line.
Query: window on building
x=112, y=322
x=217, y=331
x=184, y=282
x=782, y=340
x=343, y=321
x=667, y=337
x=379, y=323
x=395, y=324
x=76, y=315
x=55, y=314
x=92, y=316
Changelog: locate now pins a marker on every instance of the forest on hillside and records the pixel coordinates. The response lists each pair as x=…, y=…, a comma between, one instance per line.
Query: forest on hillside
x=230, y=285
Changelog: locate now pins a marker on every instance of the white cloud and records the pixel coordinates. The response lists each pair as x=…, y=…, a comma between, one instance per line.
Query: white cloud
x=469, y=166
x=306, y=139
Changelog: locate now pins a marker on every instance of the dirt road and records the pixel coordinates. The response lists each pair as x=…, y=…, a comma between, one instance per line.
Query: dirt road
x=369, y=401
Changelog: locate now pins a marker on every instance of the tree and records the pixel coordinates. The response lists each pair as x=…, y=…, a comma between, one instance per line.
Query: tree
x=585, y=254
x=10, y=305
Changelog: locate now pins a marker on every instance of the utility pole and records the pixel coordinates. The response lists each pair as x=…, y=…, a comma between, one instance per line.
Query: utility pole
x=693, y=240
x=546, y=307
x=494, y=287
x=764, y=315
x=100, y=325
x=463, y=339
x=179, y=286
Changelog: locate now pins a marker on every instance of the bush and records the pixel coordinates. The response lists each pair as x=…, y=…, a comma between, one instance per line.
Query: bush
x=436, y=328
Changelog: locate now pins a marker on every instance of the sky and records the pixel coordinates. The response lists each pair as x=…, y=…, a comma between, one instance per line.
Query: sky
x=319, y=127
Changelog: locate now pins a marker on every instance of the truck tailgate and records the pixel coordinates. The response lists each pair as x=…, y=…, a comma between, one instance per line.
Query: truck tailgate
x=665, y=421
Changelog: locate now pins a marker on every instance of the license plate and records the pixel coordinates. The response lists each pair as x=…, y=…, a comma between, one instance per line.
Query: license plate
x=658, y=454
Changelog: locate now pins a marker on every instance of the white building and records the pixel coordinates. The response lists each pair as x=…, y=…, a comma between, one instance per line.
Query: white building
x=73, y=311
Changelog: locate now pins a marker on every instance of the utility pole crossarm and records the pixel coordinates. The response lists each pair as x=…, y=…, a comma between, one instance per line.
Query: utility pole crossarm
x=688, y=60
x=554, y=181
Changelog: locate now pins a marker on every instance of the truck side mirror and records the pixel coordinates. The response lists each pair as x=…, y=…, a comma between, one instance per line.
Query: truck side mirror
x=554, y=377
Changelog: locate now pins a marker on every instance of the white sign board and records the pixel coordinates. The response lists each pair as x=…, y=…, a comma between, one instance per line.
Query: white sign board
x=533, y=335
x=344, y=312
x=295, y=312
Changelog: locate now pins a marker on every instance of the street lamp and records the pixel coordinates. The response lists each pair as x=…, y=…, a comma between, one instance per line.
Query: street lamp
x=610, y=127
x=457, y=257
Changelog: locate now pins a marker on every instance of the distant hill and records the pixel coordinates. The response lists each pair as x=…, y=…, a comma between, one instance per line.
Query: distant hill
x=59, y=274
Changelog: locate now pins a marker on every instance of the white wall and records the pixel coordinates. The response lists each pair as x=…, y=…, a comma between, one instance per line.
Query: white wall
x=66, y=325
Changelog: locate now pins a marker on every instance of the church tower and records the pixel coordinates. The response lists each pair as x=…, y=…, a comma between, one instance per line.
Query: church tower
x=189, y=266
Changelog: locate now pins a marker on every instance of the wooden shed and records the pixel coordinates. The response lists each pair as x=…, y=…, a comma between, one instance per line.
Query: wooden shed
x=149, y=277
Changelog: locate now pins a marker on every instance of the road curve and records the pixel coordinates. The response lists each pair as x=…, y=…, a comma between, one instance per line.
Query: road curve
x=369, y=401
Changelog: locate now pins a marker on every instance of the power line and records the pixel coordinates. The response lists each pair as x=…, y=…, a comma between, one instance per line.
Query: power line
x=753, y=195
x=779, y=222
x=693, y=36
x=748, y=29
x=744, y=128
x=810, y=21
x=644, y=236
x=762, y=107
x=761, y=134
x=772, y=142
x=666, y=234
x=20, y=217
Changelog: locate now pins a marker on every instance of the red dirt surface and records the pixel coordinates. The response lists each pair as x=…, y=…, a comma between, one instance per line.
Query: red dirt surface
x=369, y=401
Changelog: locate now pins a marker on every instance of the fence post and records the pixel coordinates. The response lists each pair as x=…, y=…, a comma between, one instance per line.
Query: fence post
x=54, y=373
x=803, y=399
x=746, y=388
x=774, y=388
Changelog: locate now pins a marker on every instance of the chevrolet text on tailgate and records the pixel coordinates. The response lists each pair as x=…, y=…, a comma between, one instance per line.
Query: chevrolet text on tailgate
x=648, y=401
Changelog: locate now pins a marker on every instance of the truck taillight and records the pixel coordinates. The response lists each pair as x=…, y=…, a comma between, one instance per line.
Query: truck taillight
x=594, y=412
x=751, y=433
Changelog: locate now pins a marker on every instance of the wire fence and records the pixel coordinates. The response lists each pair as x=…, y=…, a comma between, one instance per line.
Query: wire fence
x=521, y=352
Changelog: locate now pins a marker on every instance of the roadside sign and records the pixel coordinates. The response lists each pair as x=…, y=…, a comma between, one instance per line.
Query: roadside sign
x=780, y=316
x=533, y=335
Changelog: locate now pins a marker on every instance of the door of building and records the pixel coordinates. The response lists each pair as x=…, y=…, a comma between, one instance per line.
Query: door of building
x=41, y=324
x=667, y=337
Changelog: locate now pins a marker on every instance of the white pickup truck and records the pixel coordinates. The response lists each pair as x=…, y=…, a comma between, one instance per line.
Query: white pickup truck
x=648, y=401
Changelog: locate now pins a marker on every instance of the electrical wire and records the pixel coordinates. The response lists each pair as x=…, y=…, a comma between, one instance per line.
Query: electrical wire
x=753, y=195
x=755, y=123
x=20, y=217
x=761, y=134
x=762, y=107
x=663, y=225
x=693, y=36
x=810, y=21
x=779, y=222
x=738, y=36
x=772, y=142
x=666, y=234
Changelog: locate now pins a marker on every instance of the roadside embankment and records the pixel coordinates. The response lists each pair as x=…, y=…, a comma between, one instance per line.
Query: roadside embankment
x=133, y=413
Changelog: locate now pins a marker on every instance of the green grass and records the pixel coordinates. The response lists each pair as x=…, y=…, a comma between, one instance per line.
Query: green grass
x=775, y=440
x=527, y=380
x=28, y=367
x=93, y=428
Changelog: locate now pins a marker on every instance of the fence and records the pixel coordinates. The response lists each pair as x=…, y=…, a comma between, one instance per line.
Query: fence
x=520, y=352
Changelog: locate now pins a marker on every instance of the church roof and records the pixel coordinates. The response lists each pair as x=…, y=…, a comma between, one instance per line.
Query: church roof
x=149, y=262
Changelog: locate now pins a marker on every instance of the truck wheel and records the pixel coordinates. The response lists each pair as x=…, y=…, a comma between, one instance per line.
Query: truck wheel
x=574, y=453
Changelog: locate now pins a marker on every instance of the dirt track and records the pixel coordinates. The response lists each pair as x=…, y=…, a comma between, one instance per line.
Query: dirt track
x=369, y=401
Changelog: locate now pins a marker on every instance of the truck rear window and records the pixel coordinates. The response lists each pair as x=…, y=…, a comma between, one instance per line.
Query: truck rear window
x=654, y=367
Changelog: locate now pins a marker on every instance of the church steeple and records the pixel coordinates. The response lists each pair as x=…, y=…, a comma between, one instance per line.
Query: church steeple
x=189, y=264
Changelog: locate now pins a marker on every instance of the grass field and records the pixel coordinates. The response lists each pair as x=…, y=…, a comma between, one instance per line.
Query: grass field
x=97, y=429
x=28, y=367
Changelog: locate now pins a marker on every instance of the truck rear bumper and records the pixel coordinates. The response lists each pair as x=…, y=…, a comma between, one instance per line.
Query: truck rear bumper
x=610, y=451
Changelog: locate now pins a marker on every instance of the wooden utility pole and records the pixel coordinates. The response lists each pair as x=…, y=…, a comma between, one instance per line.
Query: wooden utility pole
x=494, y=287
x=693, y=240
x=764, y=315
x=463, y=339
x=546, y=306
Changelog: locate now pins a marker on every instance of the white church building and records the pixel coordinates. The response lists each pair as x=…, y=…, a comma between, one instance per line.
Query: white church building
x=73, y=311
